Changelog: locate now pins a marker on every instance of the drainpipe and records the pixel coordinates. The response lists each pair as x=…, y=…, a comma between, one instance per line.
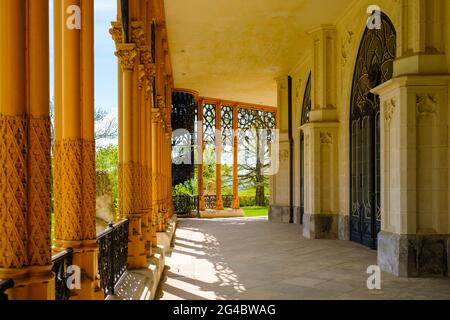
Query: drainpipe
x=291, y=153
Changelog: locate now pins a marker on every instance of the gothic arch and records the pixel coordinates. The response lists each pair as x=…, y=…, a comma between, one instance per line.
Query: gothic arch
x=373, y=66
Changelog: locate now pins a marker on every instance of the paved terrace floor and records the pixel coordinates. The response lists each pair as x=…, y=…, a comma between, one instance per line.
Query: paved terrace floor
x=251, y=258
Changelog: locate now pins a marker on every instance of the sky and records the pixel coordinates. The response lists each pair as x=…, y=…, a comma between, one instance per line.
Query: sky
x=105, y=61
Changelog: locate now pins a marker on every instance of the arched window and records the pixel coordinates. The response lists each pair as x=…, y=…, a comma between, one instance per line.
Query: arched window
x=374, y=66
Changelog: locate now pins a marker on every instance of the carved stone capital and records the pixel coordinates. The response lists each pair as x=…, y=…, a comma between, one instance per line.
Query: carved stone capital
x=160, y=102
x=116, y=32
x=126, y=53
x=138, y=33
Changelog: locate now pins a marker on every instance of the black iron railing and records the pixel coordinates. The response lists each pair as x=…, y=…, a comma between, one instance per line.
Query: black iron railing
x=210, y=202
x=5, y=285
x=61, y=262
x=184, y=204
x=113, y=253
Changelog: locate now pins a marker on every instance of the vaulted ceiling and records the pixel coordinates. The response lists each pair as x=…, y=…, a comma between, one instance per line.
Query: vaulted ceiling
x=235, y=49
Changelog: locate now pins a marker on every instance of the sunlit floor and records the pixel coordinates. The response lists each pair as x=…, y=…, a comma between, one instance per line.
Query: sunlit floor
x=251, y=258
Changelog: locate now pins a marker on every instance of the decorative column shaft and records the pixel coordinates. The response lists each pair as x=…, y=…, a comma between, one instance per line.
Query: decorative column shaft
x=219, y=147
x=200, y=150
x=321, y=218
x=75, y=214
x=137, y=258
x=156, y=115
x=25, y=208
x=236, y=204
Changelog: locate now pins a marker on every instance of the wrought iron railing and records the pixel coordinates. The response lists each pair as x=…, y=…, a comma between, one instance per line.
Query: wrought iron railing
x=61, y=262
x=113, y=254
x=227, y=201
x=210, y=202
x=184, y=204
x=5, y=285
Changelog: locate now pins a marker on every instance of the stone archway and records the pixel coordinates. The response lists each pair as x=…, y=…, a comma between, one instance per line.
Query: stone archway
x=374, y=66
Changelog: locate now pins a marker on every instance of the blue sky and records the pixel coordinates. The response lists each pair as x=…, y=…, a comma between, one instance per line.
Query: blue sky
x=105, y=61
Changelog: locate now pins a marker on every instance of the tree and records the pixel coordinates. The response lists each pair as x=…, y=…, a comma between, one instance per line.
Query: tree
x=256, y=162
x=106, y=126
x=107, y=159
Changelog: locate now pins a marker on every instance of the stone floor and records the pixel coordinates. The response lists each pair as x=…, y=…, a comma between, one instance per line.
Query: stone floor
x=251, y=258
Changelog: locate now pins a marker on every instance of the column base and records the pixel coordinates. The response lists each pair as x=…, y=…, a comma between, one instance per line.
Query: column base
x=344, y=227
x=414, y=255
x=321, y=226
x=137, y=255
x=30, y=283
x=281, y=214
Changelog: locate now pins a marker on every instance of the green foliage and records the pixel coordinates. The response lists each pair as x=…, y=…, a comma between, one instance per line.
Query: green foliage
x=189, y=187
x=256, y=211
x=108, y=160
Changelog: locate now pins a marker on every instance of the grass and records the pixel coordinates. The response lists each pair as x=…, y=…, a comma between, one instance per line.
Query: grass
x=256, y=211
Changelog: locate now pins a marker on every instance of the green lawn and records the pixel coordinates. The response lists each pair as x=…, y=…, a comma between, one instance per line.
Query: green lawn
x=256, y=211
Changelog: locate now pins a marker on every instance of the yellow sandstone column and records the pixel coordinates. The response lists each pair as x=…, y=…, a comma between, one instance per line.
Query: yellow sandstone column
x=74, y=113
x=156, y=115
x=137, y=257
x=219, y=146
x=25, y=209
x=236, y=204
x=200, y=150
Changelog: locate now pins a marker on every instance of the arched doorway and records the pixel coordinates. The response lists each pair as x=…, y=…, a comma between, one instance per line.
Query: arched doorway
x=306, y=109
x=374, y=66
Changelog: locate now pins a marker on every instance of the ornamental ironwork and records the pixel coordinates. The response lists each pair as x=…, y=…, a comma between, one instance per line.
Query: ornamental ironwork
x=61, y=263
x=227, y=125
x=209, y=124
x=183, y=144
x=306, y=108
x=374, y=66
x=113, y=255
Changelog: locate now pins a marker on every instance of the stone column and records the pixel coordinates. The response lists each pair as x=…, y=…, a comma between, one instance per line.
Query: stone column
x=155, y=115
x=137, y=257
x=219, y=147
x=322, y=219
x=200, y=150
x=235, y=204
x=75, y=214
x=25, y=208
x=415, y=235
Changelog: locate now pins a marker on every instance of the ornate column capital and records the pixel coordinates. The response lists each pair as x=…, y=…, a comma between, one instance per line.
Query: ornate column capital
x=156, y=115
x=116, y=32
x=160, y=102
x=126, y=53
x=138, y=33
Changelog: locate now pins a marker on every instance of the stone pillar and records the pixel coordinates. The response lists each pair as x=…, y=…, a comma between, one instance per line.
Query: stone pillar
x=279, y=195
x=321, y=219
x=200, y=150
x=155, y=115
x=236, y=204
x=75, y=214
x=415, y=235
x=25, y=208
x=137, y=257
x=219, y=147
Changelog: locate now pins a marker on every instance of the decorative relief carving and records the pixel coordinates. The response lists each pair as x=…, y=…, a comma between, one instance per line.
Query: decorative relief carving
x=326, y=138
x=156, y=115
x=426, y=104
x=13, y=192
x=137, y=33
x=389, y=108
x=116, y=32
x=39, y=192
x=126, y=53
x=161, y=103
x=68, y=192
x=89, y=190
x=141, y=76
x=346, y=43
